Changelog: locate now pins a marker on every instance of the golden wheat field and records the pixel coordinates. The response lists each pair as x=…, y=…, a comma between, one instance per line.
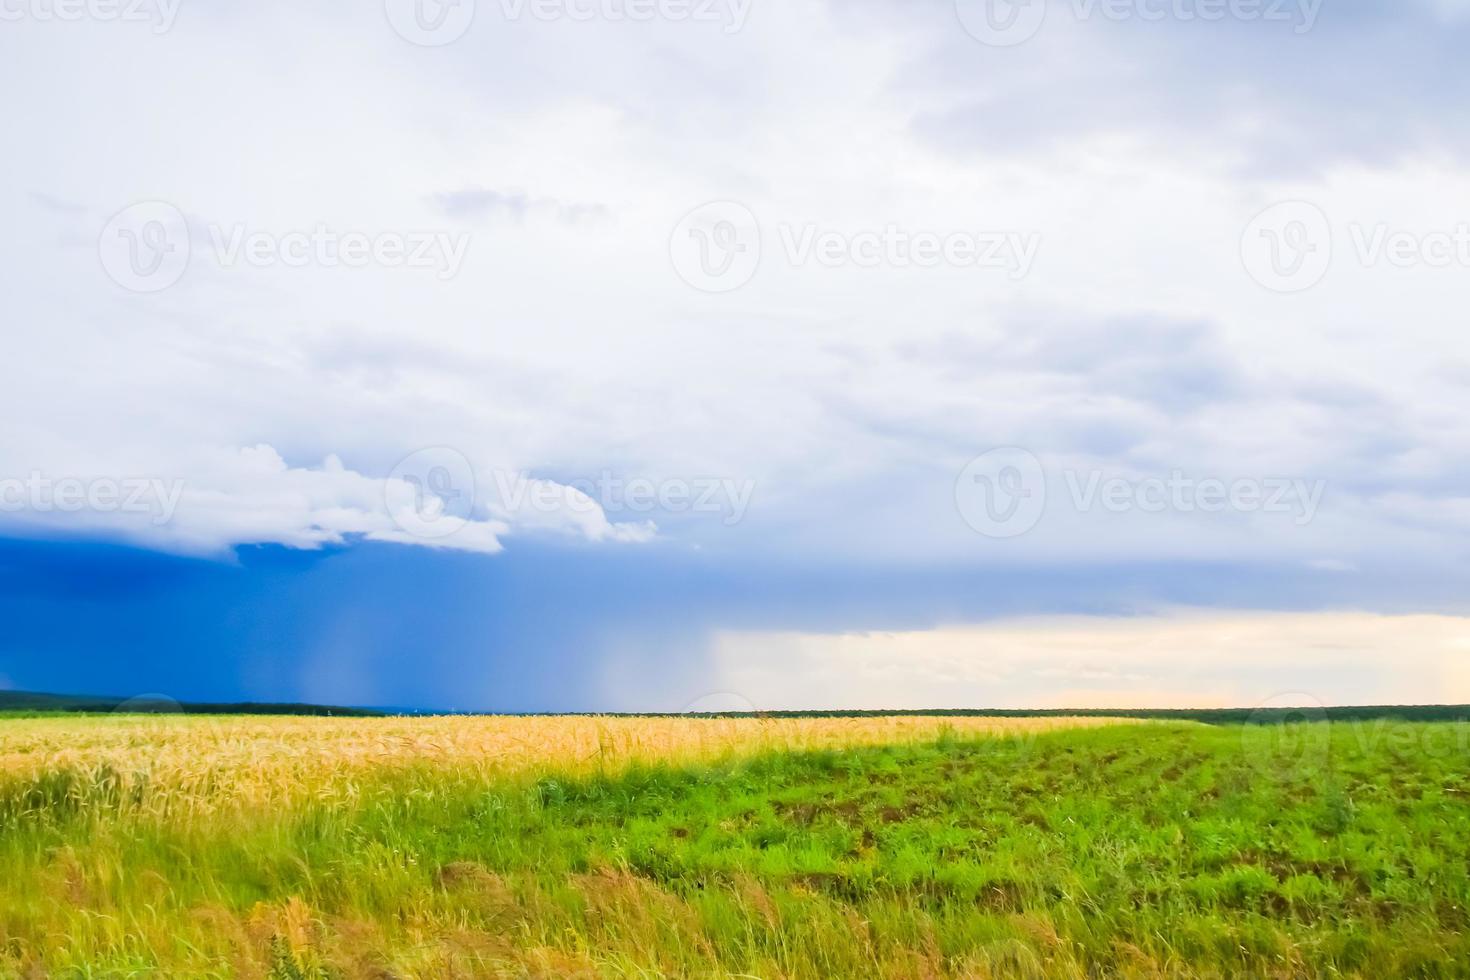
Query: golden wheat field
x=201, y=763
x=277, y=848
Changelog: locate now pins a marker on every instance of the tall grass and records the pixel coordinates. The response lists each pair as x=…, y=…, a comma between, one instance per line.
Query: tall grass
x=1159, y=850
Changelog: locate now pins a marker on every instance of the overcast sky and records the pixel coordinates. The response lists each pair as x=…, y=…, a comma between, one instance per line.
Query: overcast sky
x=799, y=336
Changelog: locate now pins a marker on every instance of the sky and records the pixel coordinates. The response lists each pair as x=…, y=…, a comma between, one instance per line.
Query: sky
x=538, y=355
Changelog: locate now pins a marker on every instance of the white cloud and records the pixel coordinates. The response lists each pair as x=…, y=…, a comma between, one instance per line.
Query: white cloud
x=215, y=500
x=851, y=397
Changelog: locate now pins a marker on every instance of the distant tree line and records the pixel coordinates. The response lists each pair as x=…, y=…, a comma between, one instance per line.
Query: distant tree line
x=19, y=701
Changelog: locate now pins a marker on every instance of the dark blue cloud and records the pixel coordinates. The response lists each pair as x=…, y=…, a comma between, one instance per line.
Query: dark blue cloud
x=542, y=627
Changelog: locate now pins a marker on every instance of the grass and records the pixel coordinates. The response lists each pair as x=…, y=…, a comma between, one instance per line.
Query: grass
x=1166, y=849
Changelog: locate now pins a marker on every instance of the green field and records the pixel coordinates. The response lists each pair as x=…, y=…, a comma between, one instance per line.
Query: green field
x=1166, y=849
